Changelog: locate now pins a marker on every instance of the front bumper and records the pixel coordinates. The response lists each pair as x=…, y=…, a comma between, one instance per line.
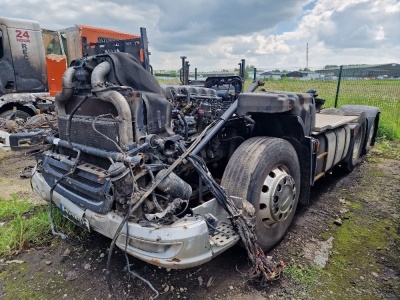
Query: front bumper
x=183, y=244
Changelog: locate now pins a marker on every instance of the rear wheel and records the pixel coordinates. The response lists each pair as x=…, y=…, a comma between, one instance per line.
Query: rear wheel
x=355, y=149
x=266, y=172
x=370, y=136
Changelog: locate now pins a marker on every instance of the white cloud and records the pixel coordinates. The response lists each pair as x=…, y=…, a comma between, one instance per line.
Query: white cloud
x=217, y=34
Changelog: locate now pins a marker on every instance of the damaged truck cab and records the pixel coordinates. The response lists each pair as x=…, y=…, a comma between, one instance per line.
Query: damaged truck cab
x=133, y=160
x=23, y=77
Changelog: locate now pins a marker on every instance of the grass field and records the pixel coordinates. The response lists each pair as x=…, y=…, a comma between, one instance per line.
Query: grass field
x=384, y=94
x=24, y=223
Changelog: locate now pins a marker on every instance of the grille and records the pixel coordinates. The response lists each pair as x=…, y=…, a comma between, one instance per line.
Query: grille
x=87, y=181
x=81, y=179
x=79, y=193
x=58, y=170
x=83, y=187
x=82, y=131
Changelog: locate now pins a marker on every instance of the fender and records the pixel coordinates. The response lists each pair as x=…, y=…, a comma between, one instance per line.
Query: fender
x=372, y=115
x=21, y=99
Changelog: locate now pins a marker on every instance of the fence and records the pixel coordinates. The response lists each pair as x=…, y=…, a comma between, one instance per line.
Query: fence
x=362, y=85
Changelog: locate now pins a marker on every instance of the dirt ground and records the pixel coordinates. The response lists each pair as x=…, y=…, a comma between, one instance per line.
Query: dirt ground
x=350, y=228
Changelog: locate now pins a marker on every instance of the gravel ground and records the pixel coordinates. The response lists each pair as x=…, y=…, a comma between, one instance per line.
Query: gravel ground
x=344, y=245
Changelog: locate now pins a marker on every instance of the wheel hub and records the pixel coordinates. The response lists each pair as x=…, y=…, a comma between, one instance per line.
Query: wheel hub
x=277, y=197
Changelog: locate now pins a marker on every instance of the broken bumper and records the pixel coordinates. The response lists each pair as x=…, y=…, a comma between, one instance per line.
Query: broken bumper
x=4, y=140
x=183, y=244
x=21, y=141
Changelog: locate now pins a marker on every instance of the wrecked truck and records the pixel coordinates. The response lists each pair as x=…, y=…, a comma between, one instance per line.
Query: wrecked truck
x=33, y=60
x=145, y=164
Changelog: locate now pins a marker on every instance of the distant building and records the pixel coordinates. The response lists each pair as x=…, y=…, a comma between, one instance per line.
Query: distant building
x=272, y=75
x=382, y=71
x=296, y=74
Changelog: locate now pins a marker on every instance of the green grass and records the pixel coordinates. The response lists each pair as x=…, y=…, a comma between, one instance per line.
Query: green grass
x=357, y=247
x=14, y=207
x=388, y=149
x=384, y=94
x=307, y=276
x=353, y=244
x=27, y=224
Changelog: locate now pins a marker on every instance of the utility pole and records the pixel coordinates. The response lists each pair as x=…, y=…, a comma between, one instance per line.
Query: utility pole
x=307, y=56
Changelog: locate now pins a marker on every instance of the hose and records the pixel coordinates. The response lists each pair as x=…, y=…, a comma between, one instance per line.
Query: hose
x=142, y=199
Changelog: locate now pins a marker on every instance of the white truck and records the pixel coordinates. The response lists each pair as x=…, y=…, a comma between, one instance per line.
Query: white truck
x=139, y=162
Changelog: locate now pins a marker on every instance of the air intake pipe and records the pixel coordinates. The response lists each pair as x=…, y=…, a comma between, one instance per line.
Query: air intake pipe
x=124, y=112
x=98, y=80
x=99, y=74
x=67, y=91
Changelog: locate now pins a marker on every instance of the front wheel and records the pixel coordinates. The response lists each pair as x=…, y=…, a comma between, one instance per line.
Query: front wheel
x=266, y=172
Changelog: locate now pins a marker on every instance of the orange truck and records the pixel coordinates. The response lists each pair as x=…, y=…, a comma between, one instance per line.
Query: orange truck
x=33, y=60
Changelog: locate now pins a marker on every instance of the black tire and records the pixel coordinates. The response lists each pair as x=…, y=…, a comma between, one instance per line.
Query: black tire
x=266, y=172
x=18, y=113
x=355, y=149
x=370, y=135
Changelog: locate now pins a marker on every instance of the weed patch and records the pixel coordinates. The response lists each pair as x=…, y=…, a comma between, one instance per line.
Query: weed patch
x=354, y=243
x=387, y=149
x=307, y=276
x=25, y=224
x=14, y=207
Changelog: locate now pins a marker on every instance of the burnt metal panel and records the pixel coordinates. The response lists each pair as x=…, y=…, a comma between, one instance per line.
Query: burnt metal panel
x=303, y=106
x=158, y=113
x=7, y=77
x=263, y=103
x=93, y=106
x=28, y=57
x=299, y=104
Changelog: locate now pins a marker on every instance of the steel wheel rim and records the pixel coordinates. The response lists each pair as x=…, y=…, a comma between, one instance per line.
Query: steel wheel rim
x=277, y=197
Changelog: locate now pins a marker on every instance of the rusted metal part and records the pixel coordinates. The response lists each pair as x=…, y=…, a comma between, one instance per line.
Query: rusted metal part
x=43, y=121
x=25, y=98
x=20, y=134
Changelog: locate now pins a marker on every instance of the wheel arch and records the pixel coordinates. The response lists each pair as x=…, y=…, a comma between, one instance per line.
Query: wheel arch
x=28, y=108
x=292, y=129
x=372, y=115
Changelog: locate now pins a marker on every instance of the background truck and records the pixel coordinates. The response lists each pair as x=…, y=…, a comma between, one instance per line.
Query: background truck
x=32, y=61
x=159, y=168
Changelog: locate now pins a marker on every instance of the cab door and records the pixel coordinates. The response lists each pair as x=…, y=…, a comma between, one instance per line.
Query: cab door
x=28, y=56
x=7, y=73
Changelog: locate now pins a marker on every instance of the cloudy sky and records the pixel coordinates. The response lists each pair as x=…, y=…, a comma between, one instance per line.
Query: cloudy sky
x=216, y=34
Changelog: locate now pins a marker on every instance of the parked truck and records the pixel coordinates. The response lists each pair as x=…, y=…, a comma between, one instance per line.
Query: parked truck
x=146, y=164
x=32, y=62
